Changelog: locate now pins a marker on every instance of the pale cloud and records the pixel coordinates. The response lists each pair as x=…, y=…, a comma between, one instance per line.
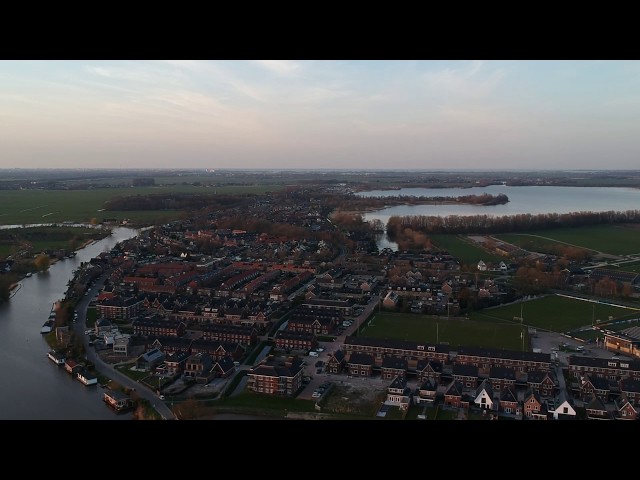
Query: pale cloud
x=473, y=81
x=286, y=68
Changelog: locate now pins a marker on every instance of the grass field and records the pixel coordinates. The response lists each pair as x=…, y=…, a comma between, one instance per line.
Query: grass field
x=555, y=313
x=455, y=331
x=613, y=239
x=537, y=244
x=467, y=253
x=19, y=207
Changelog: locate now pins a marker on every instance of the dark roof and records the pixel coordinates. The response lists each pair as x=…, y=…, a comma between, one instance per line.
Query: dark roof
x=316, y=302
x=213, y=345
x=225, y=328
x=395, y=344
x=603, y=363
x=152, y=355
x=465, y=370
x=485, y=385
x=225, y=364
x=537, y=376
x=291, y=335
x=630, y=385
x=423, y=363
x=361, y=359
x=599, y=382
x=595, y=404
x=177, y=356
x=504, y=354
x=504, y=373
x=508, y=395
x=429, y=384
x=174, y=343
x=395, y=363
x=398, y=382
x=619, y=275
x=530, y=393
x=454, y=388
x=277, y=368
x=338, y=355
x=117, y=395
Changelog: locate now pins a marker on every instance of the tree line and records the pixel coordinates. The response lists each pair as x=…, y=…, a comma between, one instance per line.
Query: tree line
x=464, y=224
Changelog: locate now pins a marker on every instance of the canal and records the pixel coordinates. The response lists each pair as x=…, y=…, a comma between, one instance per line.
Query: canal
x=33, y=387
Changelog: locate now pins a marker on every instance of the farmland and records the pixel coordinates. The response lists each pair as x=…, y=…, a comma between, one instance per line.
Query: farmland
x=32, y=206
x=612, y=239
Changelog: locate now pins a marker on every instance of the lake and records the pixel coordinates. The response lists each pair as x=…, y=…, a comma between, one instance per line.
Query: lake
x=526, y=199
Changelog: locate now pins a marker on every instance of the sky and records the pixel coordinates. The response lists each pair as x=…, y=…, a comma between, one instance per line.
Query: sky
x=321, y=114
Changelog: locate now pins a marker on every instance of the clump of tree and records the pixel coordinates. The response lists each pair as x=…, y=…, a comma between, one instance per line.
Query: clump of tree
x=143, y=182
x=42, y=262
x=177, y=201
x=465, y=224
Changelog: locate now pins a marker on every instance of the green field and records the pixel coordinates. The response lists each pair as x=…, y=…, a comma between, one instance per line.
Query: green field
x=455, y=331
x=19, y=207
x=555, y=313
x=462, y=249
x=613, y=239
x=537, y=244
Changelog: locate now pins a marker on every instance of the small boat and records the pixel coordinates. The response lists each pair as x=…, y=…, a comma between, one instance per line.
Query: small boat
x=28, y=274
x=47, y=326
x=55, y=357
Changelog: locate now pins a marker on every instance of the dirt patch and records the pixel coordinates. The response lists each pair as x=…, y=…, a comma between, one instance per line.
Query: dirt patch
x=354, y=399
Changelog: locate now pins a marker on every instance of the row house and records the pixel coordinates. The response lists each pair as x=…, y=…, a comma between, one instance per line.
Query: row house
x=409, y=350
x=255, y=284
x=483, y=397
x=456, y=396
x=598, y=386
x=157, y=327
x=276, y=377
x=428, y=369
x=398, y=394
x=485, y=358
x=360, y=364
x=426, y=393
x=508, y=402
x=596, y=409
x=288, y=340
x=169, y=344
x=175, y=362
x=625, y=409
x=502, y=377
x=605, y=368
x=316, y=326
x=561, y=407
x=467, y=375
x=199, y=366
x=343, y=306
x=227, y=288
x=120, y=308
x=218, y=350
x=630, y=388
x=280, y=291
x=534, y=408
x=336, y=362
x=393, y=367
x=541, y=383
x=230, y=333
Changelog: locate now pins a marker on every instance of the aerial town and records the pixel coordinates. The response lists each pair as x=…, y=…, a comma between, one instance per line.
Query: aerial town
x=282, y=297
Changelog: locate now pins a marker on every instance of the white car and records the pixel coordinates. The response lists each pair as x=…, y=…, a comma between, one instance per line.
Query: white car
x=316, y=394
x=319, y=349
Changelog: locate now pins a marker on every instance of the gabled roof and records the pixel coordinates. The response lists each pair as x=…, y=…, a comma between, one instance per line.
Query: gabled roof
x=599, y=383
x=630, y=385
x=399, y=382
x=225, y=364
x=465, y=370
x=486, y=387
x=537, y=376
x=337, y=356
x=395, y=344
x=508, y=395
x=429, y=365
x=530, y=393
x=152, y=355
x=430, y=385
x=595, y=404
x=502, y=373
x=361, y=359
x=395, y=363
x=454, y=388
x=504, y=354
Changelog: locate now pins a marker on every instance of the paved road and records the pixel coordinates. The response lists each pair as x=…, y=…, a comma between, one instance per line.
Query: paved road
x=108, y=370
